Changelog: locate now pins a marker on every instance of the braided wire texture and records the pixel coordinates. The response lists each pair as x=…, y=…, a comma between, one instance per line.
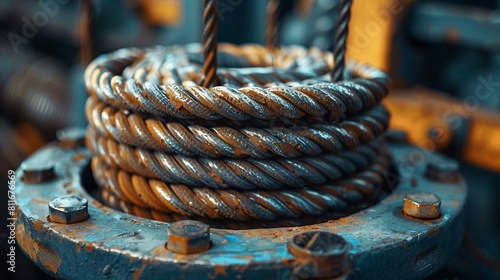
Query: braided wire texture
x=88, y=20
x=272, y=173
x=229, y=141
x=144, y=93
x=341, y=40
x=114, y=201
x=271, y=31
x=276, y=142
x=210, y=43
x=240, y=205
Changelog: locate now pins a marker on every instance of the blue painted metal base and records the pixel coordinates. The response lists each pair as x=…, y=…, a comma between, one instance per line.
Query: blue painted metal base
x=385, y=244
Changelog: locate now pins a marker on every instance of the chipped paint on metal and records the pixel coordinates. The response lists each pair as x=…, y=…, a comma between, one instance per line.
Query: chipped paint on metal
x=131, y=247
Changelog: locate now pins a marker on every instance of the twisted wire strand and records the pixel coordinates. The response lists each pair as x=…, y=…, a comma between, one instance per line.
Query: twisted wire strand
x=341, y=33
x=87, y=31
x=114, y=201
x=233, y=173
x=210, y=44
x=272, y=24
x=244, y=205
x=196, y=139
x=103, y=80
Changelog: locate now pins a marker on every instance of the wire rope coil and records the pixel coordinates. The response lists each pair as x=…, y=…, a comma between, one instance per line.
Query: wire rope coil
x=228, y=133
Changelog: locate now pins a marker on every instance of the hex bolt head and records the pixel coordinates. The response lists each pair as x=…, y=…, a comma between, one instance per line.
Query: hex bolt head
x=35, y=172
x=422, y=205
x=71, y=137
x=325, y=253
x=188, y=237
x=443, y=170
x=68, y=209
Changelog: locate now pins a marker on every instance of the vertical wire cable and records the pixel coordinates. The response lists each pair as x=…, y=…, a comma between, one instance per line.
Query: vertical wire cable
x=210, y=44
x=272, y=24
x=271, y=32
x=339, y=47
x=87, y=31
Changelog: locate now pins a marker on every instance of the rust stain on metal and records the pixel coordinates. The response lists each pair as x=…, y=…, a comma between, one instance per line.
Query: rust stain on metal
x=38, y=225
x=89, y=247
x=49, y=258
x=78, y=157
x=101, y=206
x=131, y=220
x=159, y=251
x=37, y=251
x=41, y=201
x=218, y=270
x=138, y=272
x=405, y=246
x=434, y=231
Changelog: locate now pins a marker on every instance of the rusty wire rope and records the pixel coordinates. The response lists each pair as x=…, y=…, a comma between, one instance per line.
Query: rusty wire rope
x=264, y=142
x=271, y=32
x=340, y=42
x=87, y=28
x=210, y=44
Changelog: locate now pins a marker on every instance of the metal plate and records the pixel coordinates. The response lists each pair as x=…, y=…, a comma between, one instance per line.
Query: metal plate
x=113, y=245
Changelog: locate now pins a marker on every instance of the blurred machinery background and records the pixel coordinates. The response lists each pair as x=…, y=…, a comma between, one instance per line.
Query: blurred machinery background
x=442, y=56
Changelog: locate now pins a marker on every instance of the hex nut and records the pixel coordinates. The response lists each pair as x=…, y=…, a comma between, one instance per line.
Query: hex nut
x=188, y=237
x=319, y=254
x=71, y=137
x=443, y=170
x=422, y=205
x=68, y=209
x=39, y=171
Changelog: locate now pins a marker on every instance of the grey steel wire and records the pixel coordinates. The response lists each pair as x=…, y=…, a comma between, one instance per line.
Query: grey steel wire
x=340, y=45
x=210, y=44
x=245, y=205
x=227, y=141
x=104, y=81
x=274, y=173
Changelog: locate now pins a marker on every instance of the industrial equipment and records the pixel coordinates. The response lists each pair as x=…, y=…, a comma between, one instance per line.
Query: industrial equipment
x=216, y=160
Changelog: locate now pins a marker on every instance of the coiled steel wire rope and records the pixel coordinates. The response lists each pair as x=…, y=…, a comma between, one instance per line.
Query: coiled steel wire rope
x=261, y=140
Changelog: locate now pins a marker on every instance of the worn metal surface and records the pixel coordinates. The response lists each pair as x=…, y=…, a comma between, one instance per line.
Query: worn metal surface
x=113, y=245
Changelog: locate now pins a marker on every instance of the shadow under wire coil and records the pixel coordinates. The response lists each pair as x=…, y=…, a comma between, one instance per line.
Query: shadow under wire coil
x=275, y=142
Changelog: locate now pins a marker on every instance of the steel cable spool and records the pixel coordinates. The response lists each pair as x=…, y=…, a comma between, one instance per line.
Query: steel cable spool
x=224, y=133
